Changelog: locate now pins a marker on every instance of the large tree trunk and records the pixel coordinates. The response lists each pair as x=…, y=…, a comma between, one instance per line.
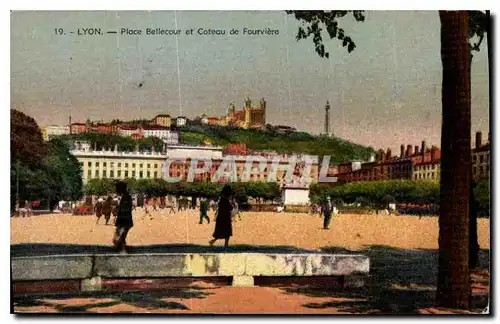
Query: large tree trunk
x=454, y=278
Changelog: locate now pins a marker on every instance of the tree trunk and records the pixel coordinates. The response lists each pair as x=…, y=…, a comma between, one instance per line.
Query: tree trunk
x=454, y=279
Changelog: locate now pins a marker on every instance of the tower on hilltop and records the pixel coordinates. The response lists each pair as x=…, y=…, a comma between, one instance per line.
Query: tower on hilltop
x=327, y=118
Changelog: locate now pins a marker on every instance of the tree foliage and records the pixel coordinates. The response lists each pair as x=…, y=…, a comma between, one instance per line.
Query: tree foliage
x=285, y=143
x=378, y=192
x=26, y=142
x=56, y=176
x=159, y=187
x=314, y=22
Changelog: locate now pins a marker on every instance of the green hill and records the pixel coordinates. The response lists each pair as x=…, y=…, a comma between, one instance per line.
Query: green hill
x=270, y=139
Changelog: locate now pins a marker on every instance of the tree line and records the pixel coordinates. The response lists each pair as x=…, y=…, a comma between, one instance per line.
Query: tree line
x=378, y=194
x=261, y=191
x=47, y=172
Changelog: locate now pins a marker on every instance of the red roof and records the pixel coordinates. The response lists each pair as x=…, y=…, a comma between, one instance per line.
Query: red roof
x=127, y=127
x=155, y=127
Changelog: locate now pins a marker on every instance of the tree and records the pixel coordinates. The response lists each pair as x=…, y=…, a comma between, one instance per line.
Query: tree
x=26, y=142
x=61, y=174
x=454, y=278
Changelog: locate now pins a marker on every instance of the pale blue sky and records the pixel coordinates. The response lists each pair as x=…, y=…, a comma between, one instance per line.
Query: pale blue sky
x=385, y=93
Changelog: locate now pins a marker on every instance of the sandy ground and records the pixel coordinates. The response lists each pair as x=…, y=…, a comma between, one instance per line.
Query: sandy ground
x=403, y=277
x=262, y=229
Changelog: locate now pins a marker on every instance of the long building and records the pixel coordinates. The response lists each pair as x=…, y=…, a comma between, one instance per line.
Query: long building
x=114, y=164
x=411, y=161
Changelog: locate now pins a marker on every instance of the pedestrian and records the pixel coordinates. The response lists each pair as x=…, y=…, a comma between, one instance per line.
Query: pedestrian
x=98, y=209
x=146, y=206
x=172, y=206
x=204, y=210
x=155, y=202
x=124, y=220
x=114, y=208
x=326, y=210
x=107, y=208
x=223, y=226
x=27, y=206
x=235, y=212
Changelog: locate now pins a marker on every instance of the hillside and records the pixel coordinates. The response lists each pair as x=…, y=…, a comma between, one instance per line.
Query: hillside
x=269, y=139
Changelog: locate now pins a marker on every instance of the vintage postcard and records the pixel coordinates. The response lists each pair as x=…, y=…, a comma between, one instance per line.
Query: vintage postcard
x=250, y=162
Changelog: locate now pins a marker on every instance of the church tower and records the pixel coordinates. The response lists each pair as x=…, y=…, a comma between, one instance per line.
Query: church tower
x=248, y=112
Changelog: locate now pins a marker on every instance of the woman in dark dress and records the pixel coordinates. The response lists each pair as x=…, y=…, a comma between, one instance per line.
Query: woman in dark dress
x=223, y=226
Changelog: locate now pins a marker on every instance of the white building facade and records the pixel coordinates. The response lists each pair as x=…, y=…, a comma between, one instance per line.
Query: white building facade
x=119, y=165
x=55, y=130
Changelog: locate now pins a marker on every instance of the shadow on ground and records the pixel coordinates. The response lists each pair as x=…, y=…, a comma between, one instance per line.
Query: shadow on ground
x=150, y=300
x=37, y=249
x=401, y=281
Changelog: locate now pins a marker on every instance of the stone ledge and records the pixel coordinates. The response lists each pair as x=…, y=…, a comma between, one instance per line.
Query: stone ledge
x=186, y=265
x=53, y=267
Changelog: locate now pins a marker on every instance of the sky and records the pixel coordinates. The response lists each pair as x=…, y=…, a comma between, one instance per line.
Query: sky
x=387, y=92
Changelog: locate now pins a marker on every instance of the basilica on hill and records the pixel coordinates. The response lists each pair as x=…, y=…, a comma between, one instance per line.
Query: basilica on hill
x=247, y=117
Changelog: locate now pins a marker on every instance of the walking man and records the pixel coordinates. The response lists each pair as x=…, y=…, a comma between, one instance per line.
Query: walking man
x=124, y=220
x=204, y=210
x=98, y=209
x=326, y=210
x=107, y=209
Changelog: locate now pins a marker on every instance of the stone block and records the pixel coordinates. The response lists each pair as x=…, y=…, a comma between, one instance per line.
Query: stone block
x=305, y=264
x=51, y=267
x=243, y=281
x=91, y=284
x=144, y=265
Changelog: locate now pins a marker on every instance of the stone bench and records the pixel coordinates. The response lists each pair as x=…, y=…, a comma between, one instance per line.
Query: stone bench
x=242, y=267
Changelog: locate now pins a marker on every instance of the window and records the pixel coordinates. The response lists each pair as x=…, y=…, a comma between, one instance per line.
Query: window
x=89, y=164
x=140, y=174
x=119, y=164
x=474, y=170
x=97, y=173
x=140, y=166
x=104, y=164
x=119, y=173
x=156, y=174
x=97, y=164
x=104, y=173
x=156, y=166
x=148, y=174
x=133, y=165
x=111, y=174
x=126, y=165
x=474, y=158
x=111, y=164
x=149, y=166
x=126, y=173
x=89, y=174
x=481, y=159
x=133, y=174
